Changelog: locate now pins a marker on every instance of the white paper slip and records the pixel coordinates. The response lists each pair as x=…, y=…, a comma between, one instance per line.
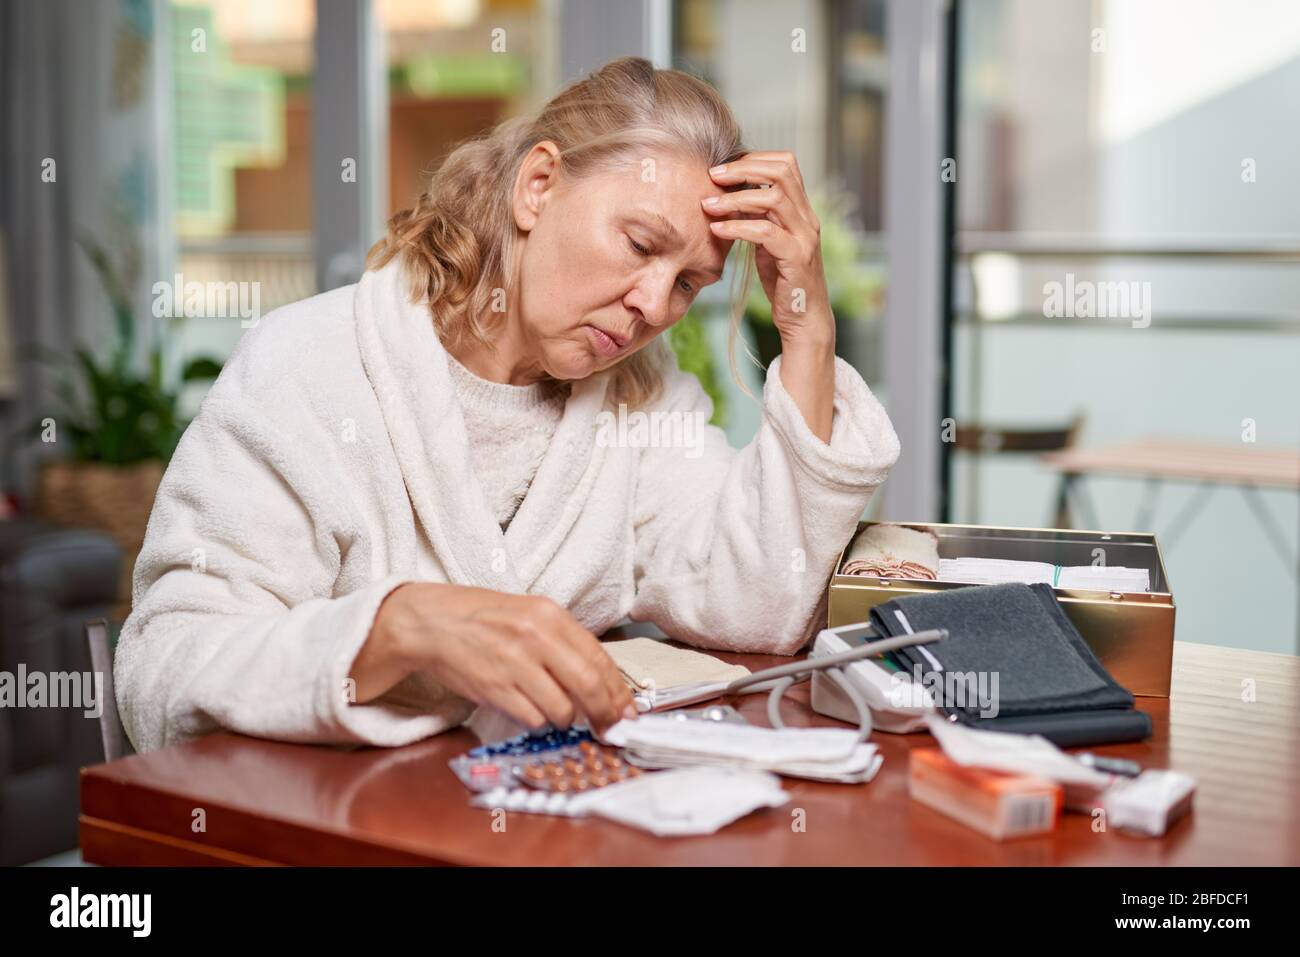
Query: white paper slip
x=997, y=571
x=683, y=801
x=741, y=741
x=821, y=754
x=858, y=767
x=994, y=571
x=1105, y=578
x=1019, y=754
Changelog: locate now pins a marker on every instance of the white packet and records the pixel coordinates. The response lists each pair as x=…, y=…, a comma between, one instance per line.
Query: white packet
x=683, y=801
x=769, y=746
x=1018, y=754
x=1151, y=802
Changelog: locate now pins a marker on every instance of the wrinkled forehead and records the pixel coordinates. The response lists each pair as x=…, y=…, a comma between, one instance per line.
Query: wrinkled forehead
x=666, y=174
x=669, y=186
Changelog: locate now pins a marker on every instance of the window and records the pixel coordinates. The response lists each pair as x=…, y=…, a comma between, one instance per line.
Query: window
x=241, y=89
x=1140, y=147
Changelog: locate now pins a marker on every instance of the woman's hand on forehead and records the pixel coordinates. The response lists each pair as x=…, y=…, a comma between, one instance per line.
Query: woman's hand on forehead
x=766, y=204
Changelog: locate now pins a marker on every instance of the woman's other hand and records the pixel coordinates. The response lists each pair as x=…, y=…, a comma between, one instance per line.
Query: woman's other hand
x=522, y=654
x=778, y=218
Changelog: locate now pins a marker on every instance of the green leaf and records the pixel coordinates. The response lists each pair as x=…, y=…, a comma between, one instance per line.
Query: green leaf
x=689, y=340
x=97, y=380
x=200, y=368
x=156, y=369
x=111, y=412
x=118, y=298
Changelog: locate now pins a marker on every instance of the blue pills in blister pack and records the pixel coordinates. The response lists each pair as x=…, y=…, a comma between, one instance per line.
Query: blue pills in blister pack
x=535, y=743
x=559, y=760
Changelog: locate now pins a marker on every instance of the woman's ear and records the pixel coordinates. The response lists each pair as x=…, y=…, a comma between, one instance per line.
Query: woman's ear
x=538, y=174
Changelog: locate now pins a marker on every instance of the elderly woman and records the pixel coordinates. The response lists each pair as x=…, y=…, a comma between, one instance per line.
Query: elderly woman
x=399, y=501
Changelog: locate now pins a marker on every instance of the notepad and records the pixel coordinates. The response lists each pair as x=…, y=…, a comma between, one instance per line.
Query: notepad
x=649, y=664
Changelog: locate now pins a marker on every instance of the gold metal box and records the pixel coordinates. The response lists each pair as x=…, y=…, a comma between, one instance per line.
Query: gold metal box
x=1131, y=633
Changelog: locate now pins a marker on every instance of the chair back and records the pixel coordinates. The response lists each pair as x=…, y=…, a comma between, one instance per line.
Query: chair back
x=116, y=743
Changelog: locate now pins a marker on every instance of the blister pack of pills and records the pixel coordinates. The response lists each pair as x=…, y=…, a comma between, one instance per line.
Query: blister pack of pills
x=525, y=800
x=556, y=761
x=666, y=803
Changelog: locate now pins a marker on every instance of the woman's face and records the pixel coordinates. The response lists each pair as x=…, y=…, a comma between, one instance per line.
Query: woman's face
x=610, y=261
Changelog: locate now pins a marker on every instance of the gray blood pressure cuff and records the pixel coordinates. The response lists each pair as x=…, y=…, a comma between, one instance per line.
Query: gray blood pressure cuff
x=1015, y=642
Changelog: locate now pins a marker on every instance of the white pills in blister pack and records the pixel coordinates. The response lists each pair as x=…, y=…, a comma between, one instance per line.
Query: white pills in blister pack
x=524, y=799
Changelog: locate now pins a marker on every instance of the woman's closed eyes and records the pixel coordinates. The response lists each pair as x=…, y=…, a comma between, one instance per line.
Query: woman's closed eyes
x=641, y=250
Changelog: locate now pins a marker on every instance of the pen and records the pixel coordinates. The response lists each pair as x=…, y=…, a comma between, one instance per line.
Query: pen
x=1120, y=766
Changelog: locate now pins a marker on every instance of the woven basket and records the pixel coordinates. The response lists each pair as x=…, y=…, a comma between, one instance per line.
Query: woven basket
x=116, y=499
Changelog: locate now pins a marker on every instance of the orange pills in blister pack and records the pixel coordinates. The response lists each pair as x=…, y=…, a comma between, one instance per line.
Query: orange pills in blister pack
x=561, y=761
x=593, y=766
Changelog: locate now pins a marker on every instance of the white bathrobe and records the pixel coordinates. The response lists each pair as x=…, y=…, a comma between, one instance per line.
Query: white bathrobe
x=329, y=463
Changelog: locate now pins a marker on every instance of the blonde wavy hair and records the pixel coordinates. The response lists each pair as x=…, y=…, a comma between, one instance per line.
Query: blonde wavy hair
x=456, y=243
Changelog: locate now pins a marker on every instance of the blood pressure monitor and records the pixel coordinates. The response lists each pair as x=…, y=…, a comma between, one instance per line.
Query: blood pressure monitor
x=897, y=704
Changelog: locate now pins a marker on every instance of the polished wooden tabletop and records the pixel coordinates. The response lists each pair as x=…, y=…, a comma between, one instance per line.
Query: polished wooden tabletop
x=1233, y=722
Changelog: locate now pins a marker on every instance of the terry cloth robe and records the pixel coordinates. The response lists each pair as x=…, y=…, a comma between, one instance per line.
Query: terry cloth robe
x=329, y=463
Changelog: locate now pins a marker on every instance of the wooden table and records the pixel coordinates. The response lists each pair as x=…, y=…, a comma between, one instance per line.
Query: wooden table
x=264, y=802
x=1207, y=465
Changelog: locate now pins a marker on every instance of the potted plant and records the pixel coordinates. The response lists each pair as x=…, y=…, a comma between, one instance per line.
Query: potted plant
x=117, y=424
x=856, y=287
x=689, y=340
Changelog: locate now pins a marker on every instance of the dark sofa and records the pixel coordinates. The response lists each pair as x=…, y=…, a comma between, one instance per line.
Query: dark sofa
x=51, y=581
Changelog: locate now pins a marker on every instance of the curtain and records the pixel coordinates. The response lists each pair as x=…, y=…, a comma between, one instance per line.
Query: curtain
x=82, y=104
